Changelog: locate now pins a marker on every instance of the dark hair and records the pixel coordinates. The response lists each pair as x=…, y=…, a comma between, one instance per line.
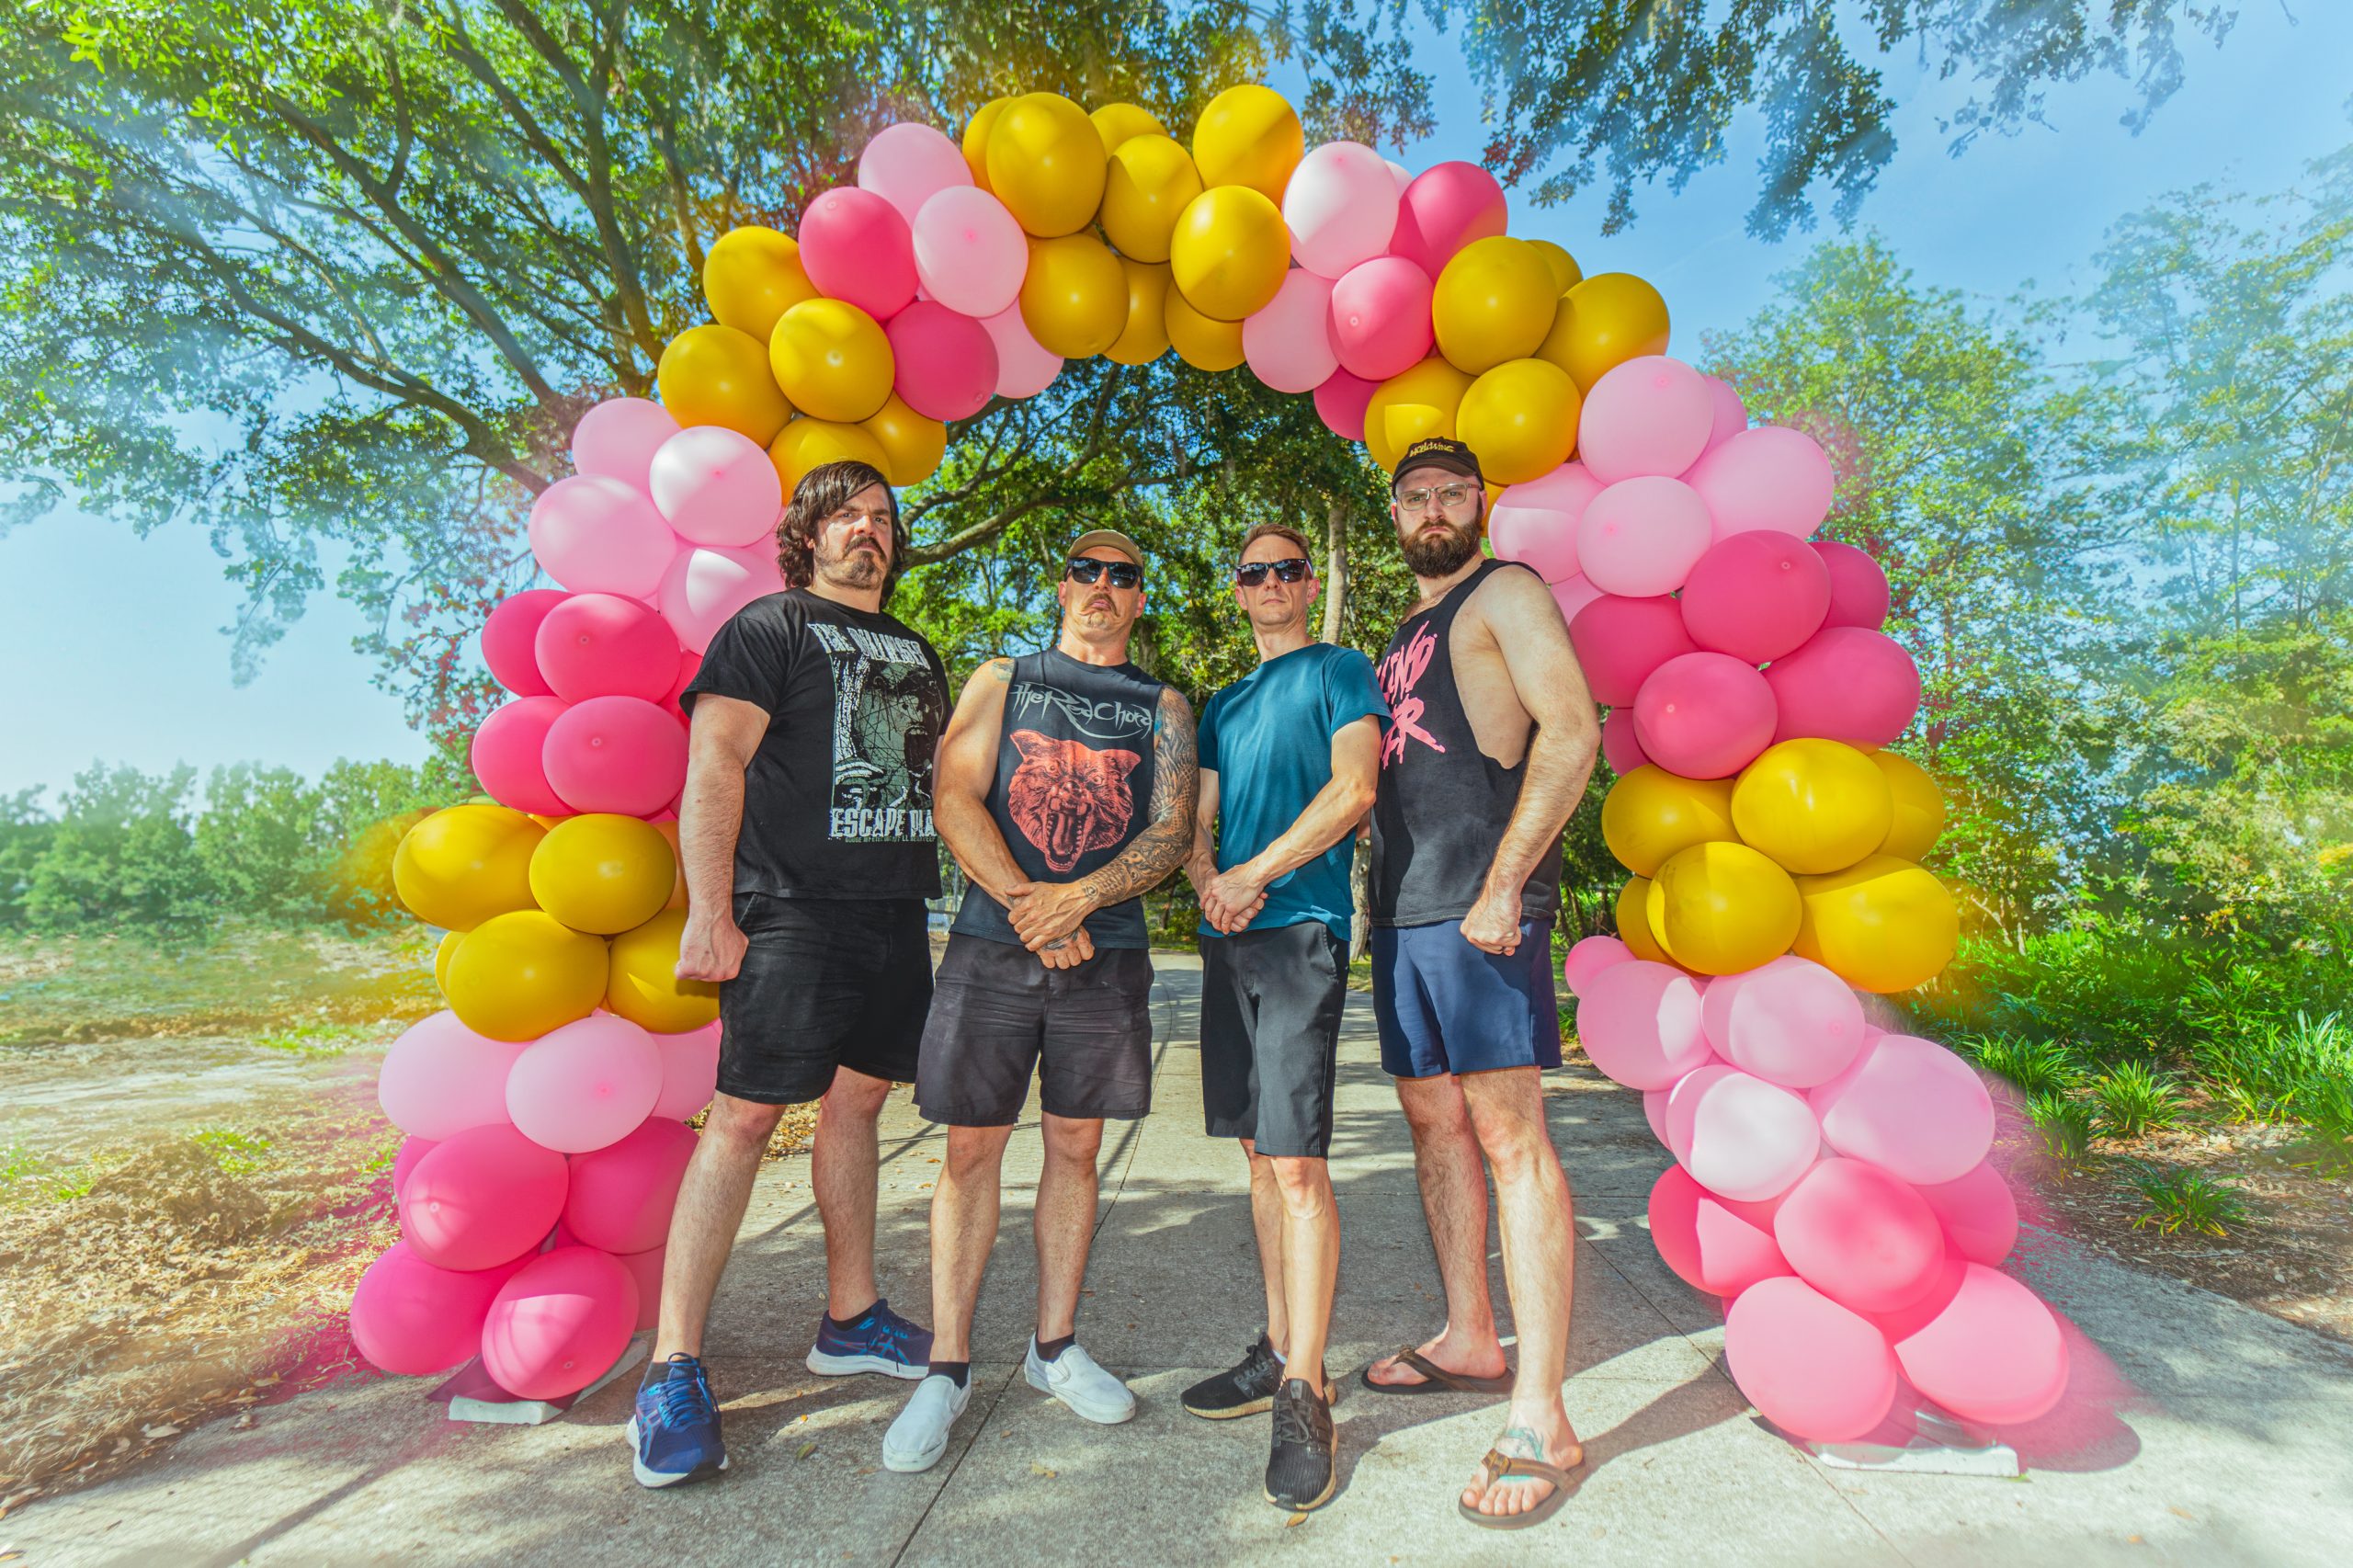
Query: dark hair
x=823, y=491
x=1276, y=530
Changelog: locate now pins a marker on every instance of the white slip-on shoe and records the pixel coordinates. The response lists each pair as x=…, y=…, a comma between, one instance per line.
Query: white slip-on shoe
x=1075, y=1378
x=919, y=1435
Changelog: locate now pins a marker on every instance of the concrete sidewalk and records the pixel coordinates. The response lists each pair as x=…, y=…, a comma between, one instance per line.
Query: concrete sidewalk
x=2196, y=1431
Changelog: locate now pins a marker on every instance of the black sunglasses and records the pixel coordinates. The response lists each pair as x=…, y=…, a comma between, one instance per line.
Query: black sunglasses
x=1088, y=570
x=1250, y=573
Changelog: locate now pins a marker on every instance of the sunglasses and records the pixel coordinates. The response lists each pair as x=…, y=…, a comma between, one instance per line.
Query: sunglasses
x=1250, y=573
x=1086, y=570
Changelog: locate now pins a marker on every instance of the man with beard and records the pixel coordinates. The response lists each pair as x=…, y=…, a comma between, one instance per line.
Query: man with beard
x=806, y=837
x=1065, y=792
x=1491, y=738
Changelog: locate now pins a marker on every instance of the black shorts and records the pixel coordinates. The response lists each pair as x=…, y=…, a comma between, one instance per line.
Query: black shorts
x=1270, y=1035
x=1086, y=1031
x=825, y=982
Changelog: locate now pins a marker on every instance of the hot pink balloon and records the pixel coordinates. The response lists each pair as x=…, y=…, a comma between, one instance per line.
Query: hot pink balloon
x=1911, y=1106
x=439, y=1078
x=1792, y=1023
x=945, y=363
x=716, y=487
x=621, y=1194
x=908, y=163
x=1620, y=641
x=615, y=754
x=689, y=1071
x=1859, y=595
x=1860, y=1236
x=856, y=246
x=690, y=665
x=1846, y=684
x=1638, y=1021
x=604, y=645
x=1708, y=1246
x=506, y=640
x=1978, y=1211
x=1341, y=205
x=1649, y=415
x=1288, y=344
x=1589, y=958
x=560, y=1323
x=600, y=536
x=411, y=1319
x=1755, y=595
x=586, y=1084
x=506, y=750
x=1770, y=477
x=1704, y=715
x=1728, y=414
x=1024, y=366
x=646, y=1269
x=1815, y=1369
x=405, y=1158
x=483, y=1197
x=704, y=587
x=618, y=438
x=1620, y=747
x=1739, y=1135
x=1994, y=1354
x=1642, y=537
x=1572, y=593
x=1445, y=208
x=970, y=253
x=1341, y=403
x=1536, y=522
x=1381, y=317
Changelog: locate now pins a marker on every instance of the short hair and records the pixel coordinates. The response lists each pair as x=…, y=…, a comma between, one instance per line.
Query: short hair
x=1276, y=530
x=821, y=492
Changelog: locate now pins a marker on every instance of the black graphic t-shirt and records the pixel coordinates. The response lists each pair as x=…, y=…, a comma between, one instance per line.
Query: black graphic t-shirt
x=837, y=798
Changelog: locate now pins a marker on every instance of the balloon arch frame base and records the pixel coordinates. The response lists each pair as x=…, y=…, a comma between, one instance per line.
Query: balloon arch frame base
x=1940, y=1444
x=473, y=1394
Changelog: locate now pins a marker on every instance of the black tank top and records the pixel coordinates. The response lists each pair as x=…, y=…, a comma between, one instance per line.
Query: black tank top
x=1074, y=784
x=1442, y=803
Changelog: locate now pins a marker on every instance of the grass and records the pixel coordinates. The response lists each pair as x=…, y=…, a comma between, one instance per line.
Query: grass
x=2065, y=1123
x=2187, y=1200
x=2133, y=1099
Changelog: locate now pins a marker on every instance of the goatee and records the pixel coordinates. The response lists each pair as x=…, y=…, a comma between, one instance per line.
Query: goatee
x=1438, y=550
x=856, y=568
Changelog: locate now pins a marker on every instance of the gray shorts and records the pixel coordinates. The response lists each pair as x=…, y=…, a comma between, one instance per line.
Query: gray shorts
x=1270, y=1035
x=997, y=1015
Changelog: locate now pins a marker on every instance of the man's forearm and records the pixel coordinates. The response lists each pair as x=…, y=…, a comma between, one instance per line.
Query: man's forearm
x=1560, y=760
x=973, y=837
x=711, y=815
x=1329, y=817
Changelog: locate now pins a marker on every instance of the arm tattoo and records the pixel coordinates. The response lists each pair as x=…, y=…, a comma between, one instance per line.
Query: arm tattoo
x=1162, y=846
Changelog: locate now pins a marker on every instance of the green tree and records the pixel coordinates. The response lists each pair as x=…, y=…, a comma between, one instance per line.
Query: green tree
x=121, y=853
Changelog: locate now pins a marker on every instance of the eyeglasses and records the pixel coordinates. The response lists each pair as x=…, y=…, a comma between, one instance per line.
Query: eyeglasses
x=1250, y=573
x=1447, y=496
x=1088, y=570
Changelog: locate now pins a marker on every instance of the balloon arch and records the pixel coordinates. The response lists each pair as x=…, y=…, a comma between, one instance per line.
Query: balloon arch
x=1830, y=1180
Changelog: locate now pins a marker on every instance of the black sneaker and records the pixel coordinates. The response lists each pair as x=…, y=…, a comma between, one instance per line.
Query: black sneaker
x=1300, y=1472
x=1246, y=1391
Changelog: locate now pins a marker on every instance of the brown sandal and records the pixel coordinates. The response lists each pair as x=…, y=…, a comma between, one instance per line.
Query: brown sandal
x=1435, y=1378
x=1498, y=1464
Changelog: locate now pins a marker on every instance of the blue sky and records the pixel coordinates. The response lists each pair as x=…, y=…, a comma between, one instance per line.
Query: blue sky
x=112, y=645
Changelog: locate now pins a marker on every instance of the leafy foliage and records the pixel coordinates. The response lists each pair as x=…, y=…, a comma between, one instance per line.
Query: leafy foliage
x=2187, y=1200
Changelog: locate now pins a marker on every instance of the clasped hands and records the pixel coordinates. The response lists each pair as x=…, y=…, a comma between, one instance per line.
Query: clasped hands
x=1046, y=916
x=1230, y=900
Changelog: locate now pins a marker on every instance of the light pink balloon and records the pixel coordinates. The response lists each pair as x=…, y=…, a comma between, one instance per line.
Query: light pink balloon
x=1381, y=317
x=1649, y=415
x=621, y=1194
x=1572, y=593
x=716, y=487
x=970, y=253
x=1755, y=595
x=1024, y=367
x=618, y=438
x=411, y=1319
x=856, y=246
x=615, y=754
x=1341, y=403
x=704, y=587
x=1288, y=344
x=1641, y=537
x=1846, y=684
x=1792, y=1023
x=1589, y=958
x=560, y=1323
x=945, y=363
x=1704, y=715
x=586, y=1084
x=1815, y=1370
x=1770, y=477
x=1620, y=747
x=1620, y=641
x=506, y=750
x=1728, y=414
x=1445, y=208
x=908, y=163
x=689, y=1071
x=1709, y=1245
x=506, y=640
x=1739, y=1135
x=1860, y=1236
x=1536, y=522
x=1859, y=593
x=1341, y=205
x=1911, y=1106
x=1994, y=1353
x=1639, y=1022
x=604, y=645
x=646, y=1269
x=404, y=1159
x=600, y=536
x=1399, y=173
x=439, y=1078
x=483, y=1197
x=1978, y=1211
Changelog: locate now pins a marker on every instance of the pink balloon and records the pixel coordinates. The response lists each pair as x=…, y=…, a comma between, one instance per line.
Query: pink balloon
x=600, y=536
x=690, y=665
x=1859, y=595
x=1792, y=1023
x=1620, y=747
x=908, y=163
x=1341, y=403
x=970, y=253
x=1704, y=715
x=1399, y=173
x=483, y=1197
x=1649, y=415
x=1728, y=416
x=1978, y=1211
x=1620, y=641
x=1815, y=1369
x=1708, y=1246
x=604, y=645
x=716, y=487
x=621, y=1194
x=1536, y=522
x=506, y=640
x=439, y=1078
x=618, y=438
x=1381, y=317
x=506, y=750
x=1860, y=1236
x=560, y=1323
x=1846, y=684
x=1445, y=208
x=1572, y=594
x=1589, y=958
x=1739, y=1135
x=856, y=246
x=1755, y=595
x=1641, y=537
x=412, y=1319
x=1911, y=1106
x=586, y=1084
x=1766, y=478
x=689, y=1071
x=615, y=754
x=1994, y=1354
x=1638, y=1021
x=405, y=1159
x=1024, y=366
x=646, y=1269
x=1288, y=344
x=946, y=366
x=1341, y=205
x=704, y=587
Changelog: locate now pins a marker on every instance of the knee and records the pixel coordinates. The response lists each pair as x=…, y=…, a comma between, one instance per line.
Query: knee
x=1434, y=1115
x=1075, y=1144
x=971, y=1156
x=737, y=1125
x=1306, y=1184
x=855, y=1095
x=1518, y=1153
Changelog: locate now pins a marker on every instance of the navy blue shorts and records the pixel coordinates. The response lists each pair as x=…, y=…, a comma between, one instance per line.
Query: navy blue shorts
x=1446, y=1006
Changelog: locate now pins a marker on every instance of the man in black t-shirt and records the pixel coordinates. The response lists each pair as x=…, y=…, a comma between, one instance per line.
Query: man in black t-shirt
x=806, y=837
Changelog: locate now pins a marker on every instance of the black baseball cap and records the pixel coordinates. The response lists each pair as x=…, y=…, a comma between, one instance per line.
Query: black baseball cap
x=1438, y=451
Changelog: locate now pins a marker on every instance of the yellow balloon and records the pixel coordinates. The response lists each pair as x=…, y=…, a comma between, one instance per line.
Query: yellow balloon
x=1521, y=418
x=1881, y=925
x=1145, y=337
x=603, y=873
x=1417, y=402
x=1149, y=183
x=1118, y=124
x=806, y=444
x=1045, y=164
x=669, y=832
x=1203, y=342
x=1651, y=813
x=1249, y=136
x=912, y=444
x=517, y=976
x=465, y=864
x=645, y=987
x=750, y=276
x=1493, y=301
x=1608, y=318
x=1919, y=813
x=1565, y=270
x=716, y=375
x=449, y=940
x=832, y=359
x=1634, y=921
x=1722, y=908
x=1075, y=299
x=1230, y=252
x=977, y=139
x=1813, y=805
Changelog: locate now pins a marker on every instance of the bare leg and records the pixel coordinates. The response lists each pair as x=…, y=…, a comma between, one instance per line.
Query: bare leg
x=1267, y=1219
x=963, y=1229
x=1064, y=1220
x=1454, y=1198
x=711, y=1200
x=1310, y=1260
x=842, y=1168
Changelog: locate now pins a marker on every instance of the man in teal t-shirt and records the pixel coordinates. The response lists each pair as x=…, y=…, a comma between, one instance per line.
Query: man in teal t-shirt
x=1289, y=755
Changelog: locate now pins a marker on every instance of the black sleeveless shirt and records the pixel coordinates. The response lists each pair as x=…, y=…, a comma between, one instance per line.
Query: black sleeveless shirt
x=1442, y=803
x=1074, y=784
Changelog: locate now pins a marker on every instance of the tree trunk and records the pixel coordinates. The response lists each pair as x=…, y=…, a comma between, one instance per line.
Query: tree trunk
x=1336, y=570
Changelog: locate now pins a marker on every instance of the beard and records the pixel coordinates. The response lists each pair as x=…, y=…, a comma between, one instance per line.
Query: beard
x=1439, y=549
x=858, y=567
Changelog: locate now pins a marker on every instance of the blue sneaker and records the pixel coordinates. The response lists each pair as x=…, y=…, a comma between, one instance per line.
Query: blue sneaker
x=675, y=1427
x=880, y=1341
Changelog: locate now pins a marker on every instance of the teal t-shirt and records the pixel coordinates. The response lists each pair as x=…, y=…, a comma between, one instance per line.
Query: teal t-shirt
x=1269, y=738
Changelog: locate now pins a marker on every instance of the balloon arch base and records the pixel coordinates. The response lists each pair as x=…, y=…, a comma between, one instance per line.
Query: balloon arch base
x=1931, y=1440
x=471, y=1393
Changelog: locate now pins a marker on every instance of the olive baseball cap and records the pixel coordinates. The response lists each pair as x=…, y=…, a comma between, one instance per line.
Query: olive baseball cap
x=1112, y=537
x=1438, y=451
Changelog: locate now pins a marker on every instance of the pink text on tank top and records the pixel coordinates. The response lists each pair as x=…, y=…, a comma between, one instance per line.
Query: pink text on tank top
x=1399, y=673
